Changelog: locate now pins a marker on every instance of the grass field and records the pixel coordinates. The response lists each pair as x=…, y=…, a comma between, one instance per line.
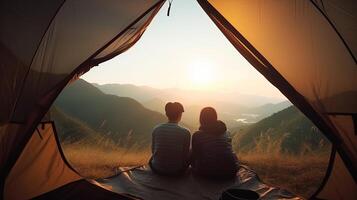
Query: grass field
x=299, y=174
x=94, y=162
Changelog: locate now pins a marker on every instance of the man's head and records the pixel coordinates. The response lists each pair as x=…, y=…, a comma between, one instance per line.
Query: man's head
x=174, y=111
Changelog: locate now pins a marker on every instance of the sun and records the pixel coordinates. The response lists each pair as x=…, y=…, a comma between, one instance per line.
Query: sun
x=201, y=74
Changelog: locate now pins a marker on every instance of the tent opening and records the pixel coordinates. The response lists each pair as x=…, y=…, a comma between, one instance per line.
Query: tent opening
x=104, y=120
x=100, y=125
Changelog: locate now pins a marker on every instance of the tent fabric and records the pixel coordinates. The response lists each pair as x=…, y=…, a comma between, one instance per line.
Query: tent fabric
x=142, y=182
x=307, y=49
x=40, y=167
x=83, y=189
x=43, y=45
x=296, y=48
x=42, y=172
x=342, y=15
x=339, y=177
x=62, y=32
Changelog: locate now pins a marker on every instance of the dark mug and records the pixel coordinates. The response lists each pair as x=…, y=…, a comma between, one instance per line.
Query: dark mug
x=239, y=194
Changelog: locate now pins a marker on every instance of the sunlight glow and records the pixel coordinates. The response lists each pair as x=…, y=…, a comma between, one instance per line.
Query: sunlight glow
x=201, y=74
x=199, y=57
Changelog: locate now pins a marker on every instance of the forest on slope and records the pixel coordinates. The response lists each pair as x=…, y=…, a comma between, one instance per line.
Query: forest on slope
x=287, y=131
x=82, y=111
x=89, y=110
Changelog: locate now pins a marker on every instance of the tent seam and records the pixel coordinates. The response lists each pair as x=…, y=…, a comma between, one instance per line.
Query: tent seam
x=327, y=174
x=324, y=14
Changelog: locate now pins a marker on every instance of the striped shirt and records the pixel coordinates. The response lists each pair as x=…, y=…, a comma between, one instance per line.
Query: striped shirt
x=170, y=148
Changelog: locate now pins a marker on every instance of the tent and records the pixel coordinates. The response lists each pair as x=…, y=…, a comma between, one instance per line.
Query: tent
x=307, y=49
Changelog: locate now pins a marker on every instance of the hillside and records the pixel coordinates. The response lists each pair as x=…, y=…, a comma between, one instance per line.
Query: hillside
x=235, y=113
x=70, y=129
x=287, y=131
x=270, y=108
x=189, y=97
x=155, y=104
x=119, y=118
x=139, y=93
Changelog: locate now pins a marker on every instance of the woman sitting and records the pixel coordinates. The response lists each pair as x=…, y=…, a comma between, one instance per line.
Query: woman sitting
x=212, y=154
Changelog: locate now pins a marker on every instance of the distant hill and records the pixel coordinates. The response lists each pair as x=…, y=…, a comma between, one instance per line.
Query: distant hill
x=155, y=104
x=233, y=115
x=83, y=111
x=139, y=93
x=268, y=109
x=117, y=117
x=189, y=97
x=233, y=108
x=289, y=129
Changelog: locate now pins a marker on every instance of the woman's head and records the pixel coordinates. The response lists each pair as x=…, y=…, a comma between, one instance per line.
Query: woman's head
x=208, y=116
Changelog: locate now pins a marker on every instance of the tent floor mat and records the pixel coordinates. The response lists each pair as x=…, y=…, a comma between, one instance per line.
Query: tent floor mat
x=82, y=189
x=143, y=183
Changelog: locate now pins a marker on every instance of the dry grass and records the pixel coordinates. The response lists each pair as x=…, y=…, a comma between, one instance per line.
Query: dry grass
x=100, y=163
x=300, y=174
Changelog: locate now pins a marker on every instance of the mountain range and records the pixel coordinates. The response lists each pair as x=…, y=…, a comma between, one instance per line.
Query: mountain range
x=234, y=108
x=82, y=111
x=113, y=116
x=146, y=93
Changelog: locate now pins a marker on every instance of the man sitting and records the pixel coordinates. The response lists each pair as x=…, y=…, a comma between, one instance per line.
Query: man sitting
x=170, y=144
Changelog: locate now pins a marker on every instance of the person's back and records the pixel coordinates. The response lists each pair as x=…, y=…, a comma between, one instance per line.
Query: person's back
x=170, y=144
x=170, y=148
x=212, y=153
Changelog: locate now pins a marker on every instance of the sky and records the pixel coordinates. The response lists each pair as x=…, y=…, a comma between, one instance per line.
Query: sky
x=187, y=51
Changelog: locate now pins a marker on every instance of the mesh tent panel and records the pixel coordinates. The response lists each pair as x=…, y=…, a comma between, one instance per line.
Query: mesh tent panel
x=71, y=39
x=342, y=14
x=23, y=24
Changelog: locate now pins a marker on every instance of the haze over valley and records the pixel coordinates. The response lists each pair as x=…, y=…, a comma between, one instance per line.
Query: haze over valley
x=126, y=114
x=234, y=108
